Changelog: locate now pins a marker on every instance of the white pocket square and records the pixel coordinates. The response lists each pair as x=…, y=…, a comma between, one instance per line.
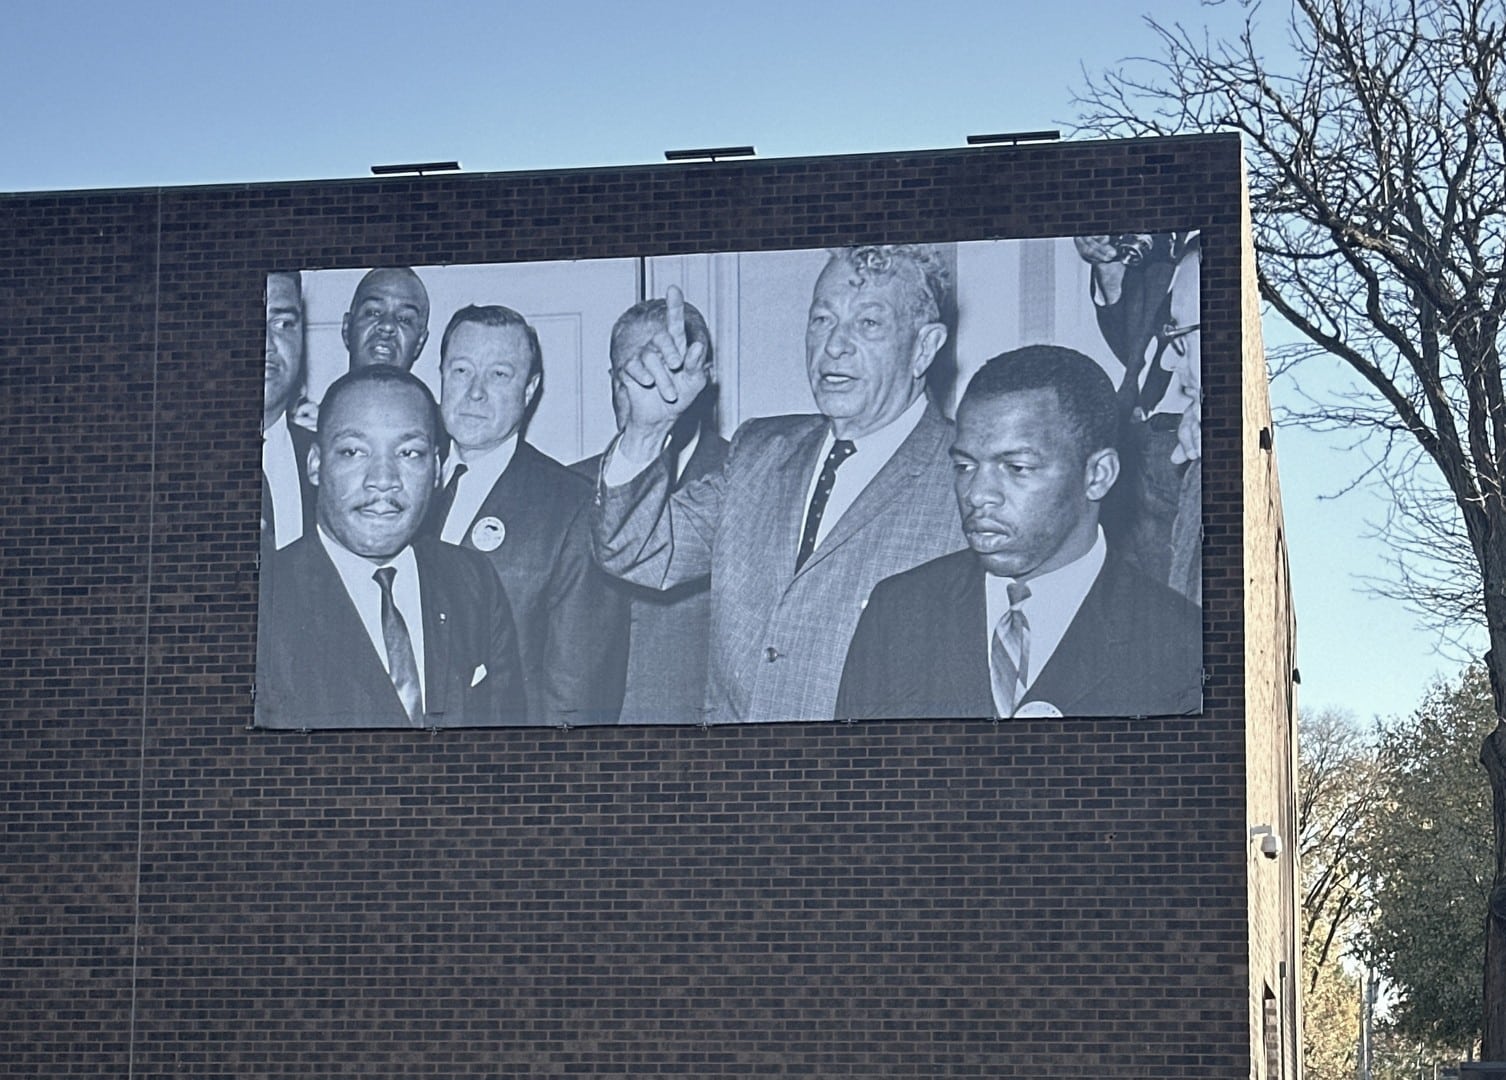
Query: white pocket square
x=478, y=674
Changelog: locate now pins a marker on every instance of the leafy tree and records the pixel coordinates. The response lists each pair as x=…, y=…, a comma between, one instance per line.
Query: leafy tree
x=1330, y=1018
x=1377, y=170
x=1429, y=862
x=1338, y=789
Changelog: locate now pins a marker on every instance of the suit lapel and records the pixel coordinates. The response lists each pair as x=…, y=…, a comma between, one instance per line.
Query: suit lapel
x=1081, y=664
x=435, y=605
x=506, y=494
x=966, y=626
x=338, y=627
x=710, y=451
x=896, y=478
x=789, y=479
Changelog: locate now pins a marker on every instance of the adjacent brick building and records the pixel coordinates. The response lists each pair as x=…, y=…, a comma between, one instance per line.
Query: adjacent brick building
x=181, y=895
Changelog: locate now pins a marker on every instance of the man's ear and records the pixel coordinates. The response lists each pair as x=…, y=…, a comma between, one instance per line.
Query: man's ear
x=345, y=330
x=313, y=464
x=423, y=339
x=928, y=342
x=531, y=390
x=1100, y=472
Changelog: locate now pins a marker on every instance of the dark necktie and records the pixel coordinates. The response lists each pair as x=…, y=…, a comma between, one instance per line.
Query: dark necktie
x=268, y=510
x=441, y=511
x=841, y=450
x=1009, y=654
x=401, y=664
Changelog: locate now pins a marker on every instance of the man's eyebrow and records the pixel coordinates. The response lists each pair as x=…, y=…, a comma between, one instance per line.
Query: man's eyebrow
x=363, y=433
x=991, y=453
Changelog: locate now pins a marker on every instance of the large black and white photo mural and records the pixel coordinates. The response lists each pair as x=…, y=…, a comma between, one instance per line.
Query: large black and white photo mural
x=891, y=481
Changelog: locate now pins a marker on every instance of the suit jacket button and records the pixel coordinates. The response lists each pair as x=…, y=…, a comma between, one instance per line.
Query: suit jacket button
x=771, y=654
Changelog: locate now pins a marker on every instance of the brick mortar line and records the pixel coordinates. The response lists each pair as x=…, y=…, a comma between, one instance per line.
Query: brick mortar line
x=146, y=645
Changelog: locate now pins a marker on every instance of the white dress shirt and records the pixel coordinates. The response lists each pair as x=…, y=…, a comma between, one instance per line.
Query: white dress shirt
x=481, y=474
x=356, y=574
x=279, y=464
x=1052, y=605
x=682, y=459
x=870, y=454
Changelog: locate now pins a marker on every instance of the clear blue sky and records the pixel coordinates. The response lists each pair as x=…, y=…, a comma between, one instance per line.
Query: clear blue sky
x=97, y=94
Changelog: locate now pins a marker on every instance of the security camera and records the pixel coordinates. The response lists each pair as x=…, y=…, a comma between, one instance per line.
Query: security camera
x=1270, y=843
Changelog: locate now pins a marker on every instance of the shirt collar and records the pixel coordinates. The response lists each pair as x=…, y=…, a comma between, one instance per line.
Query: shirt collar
x=880, y=445
x=1053, y=602
x=357, y=571
x=482, y=470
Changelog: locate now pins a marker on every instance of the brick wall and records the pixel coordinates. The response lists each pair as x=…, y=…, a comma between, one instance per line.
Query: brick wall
x=181, y=896
x=1271, y=732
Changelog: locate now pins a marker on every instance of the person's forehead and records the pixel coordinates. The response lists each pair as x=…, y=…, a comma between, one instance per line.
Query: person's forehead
x=477, y=335
x=1035, y=414
x=282, y=293
x=378, y=409
x=841, y=282
x=392, y=285
x=478, y=341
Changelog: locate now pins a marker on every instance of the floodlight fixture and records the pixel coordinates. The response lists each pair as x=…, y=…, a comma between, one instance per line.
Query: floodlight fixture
x=712, y=152
x=420, y=167
x=1013, y=138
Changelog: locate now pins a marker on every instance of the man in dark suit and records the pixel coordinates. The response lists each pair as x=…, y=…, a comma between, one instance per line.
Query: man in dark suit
x=361, y=624
x=668, y=630
x=1145, y=293
x=793, y=539
x=1037, y=617
x=388, y=319
x=524, y=511
x=287, y=497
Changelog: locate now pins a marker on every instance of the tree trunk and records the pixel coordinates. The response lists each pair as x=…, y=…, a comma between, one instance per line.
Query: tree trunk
x=1493, y=1042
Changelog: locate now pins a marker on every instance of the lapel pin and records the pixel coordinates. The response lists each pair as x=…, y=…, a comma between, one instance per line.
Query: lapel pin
x=488, y=534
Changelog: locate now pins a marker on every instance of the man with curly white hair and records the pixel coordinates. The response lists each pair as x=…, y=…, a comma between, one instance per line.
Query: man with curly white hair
x=808, y=512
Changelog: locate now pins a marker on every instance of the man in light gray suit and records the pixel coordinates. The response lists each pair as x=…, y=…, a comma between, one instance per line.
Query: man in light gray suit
x=809, y=512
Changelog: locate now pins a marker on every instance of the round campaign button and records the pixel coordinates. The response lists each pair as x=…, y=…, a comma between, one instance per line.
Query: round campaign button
x=1036, y=710
x=488, y=534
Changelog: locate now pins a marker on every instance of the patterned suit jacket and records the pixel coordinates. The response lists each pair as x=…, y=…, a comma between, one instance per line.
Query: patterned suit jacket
x=778, y=638
x=668, y=631
x=316, y=666
x=1135, y=648
x=572, y=624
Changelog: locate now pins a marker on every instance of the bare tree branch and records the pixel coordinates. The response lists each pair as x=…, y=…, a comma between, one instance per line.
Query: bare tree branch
x=1377, y=175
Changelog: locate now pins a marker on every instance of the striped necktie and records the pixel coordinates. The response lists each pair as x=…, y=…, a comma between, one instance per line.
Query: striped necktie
x=1009, y=654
